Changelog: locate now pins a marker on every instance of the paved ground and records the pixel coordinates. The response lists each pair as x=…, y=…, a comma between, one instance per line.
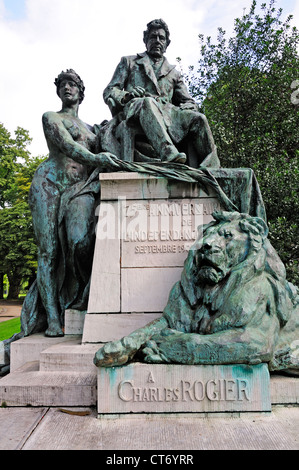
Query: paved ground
x=54, y=429
x=10, y=309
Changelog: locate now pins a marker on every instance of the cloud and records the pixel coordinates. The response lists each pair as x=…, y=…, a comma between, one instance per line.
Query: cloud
x=90, y=36
x=87, y=35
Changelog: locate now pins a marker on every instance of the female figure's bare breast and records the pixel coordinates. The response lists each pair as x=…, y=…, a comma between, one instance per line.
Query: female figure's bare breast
x=59, y=167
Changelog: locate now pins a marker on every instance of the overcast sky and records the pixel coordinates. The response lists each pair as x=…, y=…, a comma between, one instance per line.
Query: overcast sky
x=40, y=38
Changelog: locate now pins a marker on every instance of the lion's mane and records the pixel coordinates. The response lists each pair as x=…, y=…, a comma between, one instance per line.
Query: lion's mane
x=255, y=287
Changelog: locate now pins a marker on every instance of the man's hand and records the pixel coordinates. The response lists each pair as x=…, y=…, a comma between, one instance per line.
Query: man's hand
x=137, y=92
x=189, y=105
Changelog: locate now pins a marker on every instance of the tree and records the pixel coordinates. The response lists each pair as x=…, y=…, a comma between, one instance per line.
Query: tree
x=8, y=155
x=247, y=87
x=18, y=252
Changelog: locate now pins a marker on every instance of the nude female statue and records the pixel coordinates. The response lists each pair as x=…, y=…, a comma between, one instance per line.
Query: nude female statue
x=62, y=201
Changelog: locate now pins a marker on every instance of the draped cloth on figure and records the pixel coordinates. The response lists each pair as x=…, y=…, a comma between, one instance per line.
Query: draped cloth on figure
x=72, y=277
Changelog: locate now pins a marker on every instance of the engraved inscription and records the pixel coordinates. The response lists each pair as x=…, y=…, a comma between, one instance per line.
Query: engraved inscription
x=154, y=221
x=154, y=233
x=161, y=232
x=164, y=222
x=213, y=390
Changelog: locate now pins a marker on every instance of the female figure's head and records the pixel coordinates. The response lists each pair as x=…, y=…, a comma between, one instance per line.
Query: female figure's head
x=69, y=78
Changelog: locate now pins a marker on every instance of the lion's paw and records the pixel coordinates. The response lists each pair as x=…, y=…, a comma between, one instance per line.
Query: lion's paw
x=152, y=354
x=116, y=353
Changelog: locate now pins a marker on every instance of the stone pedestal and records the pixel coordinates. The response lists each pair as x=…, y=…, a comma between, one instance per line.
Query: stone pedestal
x=161, y=388
x=145, y=228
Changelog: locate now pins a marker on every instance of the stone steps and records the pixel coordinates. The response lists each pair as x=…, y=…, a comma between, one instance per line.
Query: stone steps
x=69, y=357
x=29, y=386
x=29, y=349
x=50, y=372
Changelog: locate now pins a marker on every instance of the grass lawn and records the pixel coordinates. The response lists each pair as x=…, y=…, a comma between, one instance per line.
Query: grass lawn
x=9, y=328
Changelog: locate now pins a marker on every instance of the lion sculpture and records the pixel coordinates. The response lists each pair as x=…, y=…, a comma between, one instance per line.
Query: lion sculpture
x=231, y=305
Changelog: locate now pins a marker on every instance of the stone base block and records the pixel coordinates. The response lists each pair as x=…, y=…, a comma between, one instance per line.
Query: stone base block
x=74, y=322
x=162, y=388
x=101, y=328
x=284, y=390
x=145, y=228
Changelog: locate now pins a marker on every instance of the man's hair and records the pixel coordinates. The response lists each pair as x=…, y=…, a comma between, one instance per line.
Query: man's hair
x=156, y=24
x=70, y=74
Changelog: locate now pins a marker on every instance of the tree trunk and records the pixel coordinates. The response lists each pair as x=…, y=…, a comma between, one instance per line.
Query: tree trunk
x=1, y=286
x=14, y=288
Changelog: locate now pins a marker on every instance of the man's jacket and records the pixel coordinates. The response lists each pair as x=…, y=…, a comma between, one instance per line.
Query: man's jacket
x=133, y=71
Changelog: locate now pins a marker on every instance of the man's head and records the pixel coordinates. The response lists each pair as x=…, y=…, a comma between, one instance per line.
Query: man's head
x=156, y=38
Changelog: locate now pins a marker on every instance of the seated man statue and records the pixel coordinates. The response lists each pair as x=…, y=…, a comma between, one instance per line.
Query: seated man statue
x=147, y=92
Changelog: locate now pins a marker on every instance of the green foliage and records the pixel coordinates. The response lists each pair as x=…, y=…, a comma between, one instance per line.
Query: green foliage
x=245, y=86
x=13, y=153
x=18, y=252
x=279, y=176
x=9, y=328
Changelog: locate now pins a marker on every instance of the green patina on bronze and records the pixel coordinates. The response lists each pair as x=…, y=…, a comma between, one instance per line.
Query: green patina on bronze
x=64, y=193
x=232, y=305
x=148, y=98
x=62, y=199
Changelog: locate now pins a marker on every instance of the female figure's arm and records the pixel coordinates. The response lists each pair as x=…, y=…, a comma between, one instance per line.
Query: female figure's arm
x=57, y=136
